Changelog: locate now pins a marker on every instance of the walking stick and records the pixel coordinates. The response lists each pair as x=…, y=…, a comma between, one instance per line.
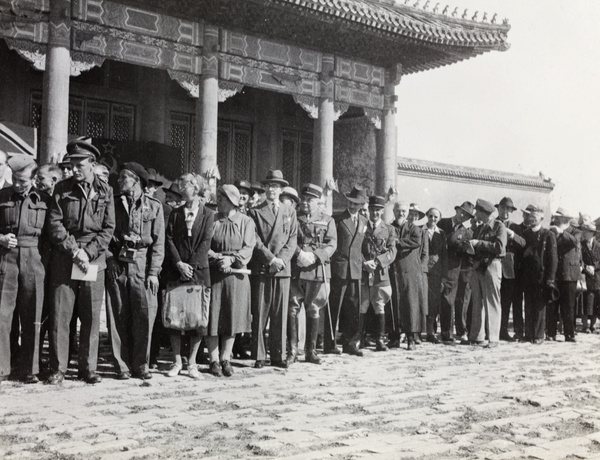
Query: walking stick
x=327, y=303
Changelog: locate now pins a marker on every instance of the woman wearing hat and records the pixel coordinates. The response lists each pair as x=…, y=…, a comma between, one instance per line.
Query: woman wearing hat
x=187, y=242
x=233, y=241
x=590, y=254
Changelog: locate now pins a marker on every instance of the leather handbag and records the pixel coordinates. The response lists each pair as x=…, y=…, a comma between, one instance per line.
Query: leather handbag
x=185, y=306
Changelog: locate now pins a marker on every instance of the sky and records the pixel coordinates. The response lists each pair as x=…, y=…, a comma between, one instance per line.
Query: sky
x=534, y=108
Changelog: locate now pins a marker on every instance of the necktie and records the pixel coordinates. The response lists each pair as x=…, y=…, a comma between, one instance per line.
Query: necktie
x=274, y=208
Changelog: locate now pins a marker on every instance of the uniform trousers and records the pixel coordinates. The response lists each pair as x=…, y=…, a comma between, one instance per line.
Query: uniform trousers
x=22, y=295
x=376, y=295
x=271, y=298
x=511, y=294
x=535, y=312
x=455, y=303
x=87, y=295
x=131, y=311
x=485, y=292
x=565, y=307
x=344, y=302
x=313, y=294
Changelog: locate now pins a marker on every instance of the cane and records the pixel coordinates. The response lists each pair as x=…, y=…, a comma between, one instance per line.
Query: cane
x=327, y=302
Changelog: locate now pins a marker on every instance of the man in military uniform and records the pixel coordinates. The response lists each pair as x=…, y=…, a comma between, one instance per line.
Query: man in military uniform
x=81, y=222
x=317, y=240
x=379, y=252
x=489, y=247
x=136, y=253
x=346, y=275
x=22, y=250
x=276, y=240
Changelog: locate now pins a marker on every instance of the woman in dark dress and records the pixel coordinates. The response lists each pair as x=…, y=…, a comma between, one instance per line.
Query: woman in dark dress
x=234, y=237
x=187, y=242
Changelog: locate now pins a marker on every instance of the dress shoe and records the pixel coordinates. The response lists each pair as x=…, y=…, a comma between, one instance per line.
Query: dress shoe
x=551, y=338
x=432, y=339
x=480, y=343
x=259, y=364
x=492, y=345
x=506, y=337
x=570, y=339
x=465, y=342
x=193, y=371
x=332, y=351
x=312, y=357
x=215, y=369
x=123, y=376
x=380, y=345
x=92, y=378
x=175, y=370
x=144, y=375
x=280, y=364
x=464, y=337
x=243, y=354
x=411, y=345
x=394, y=343
x=56, y=378
x=538, y=341
x=352, y=350
x=153, y=366
x=449, y=341
x=227, y=369
x=417, y=338
x=30, y=379
x=587, y=330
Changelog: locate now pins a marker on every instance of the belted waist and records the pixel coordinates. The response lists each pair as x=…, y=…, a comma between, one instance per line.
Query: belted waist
x=27, y=241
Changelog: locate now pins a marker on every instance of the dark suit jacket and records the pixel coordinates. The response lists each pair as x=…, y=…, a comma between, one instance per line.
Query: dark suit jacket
x=346, y=262
x=276, y=236
x=457, y=258
x=192, y=250
x=591, y=256
x=514, y=251
x=437, y=253
x=568, y=246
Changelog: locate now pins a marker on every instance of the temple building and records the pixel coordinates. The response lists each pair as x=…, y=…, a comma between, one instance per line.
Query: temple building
x=230, y=88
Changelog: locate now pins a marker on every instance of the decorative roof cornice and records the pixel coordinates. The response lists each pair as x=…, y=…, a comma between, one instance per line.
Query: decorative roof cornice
x=434, y=170
x=473, y=37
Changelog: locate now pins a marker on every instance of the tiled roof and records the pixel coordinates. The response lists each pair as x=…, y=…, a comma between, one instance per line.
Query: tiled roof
x=466, y=174
x=389, y=17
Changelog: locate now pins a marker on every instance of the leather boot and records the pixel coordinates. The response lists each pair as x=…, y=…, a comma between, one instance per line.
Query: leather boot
x=352, y=346
x=430, y=332
x=380, y=344
x=292, y=337
x=312, y=329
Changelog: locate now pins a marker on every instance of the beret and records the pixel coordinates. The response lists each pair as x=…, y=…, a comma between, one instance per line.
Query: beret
x=138, y=170
x=20, y=162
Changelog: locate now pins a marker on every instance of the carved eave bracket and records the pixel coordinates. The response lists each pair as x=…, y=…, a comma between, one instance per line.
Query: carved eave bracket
x=339, y=109
x=35, y=53
x=374, y=116
x=228, y=89
x=189, y=82
x=309, y=104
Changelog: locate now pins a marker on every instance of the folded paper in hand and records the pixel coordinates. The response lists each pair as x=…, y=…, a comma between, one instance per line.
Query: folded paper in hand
x=78, y=274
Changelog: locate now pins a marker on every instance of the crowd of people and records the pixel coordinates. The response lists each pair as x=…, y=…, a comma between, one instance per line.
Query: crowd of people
x=274, y=268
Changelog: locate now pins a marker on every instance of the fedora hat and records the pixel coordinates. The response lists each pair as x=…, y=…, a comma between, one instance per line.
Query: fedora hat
x=562, y=212
x=588, y=226
x=552, y=292
x=357, y=195
x=532, y=209
x=276, y=176
x=467, y=207
x=508, y=202
x=244, y=185
x=414, y=207
x=153, y=178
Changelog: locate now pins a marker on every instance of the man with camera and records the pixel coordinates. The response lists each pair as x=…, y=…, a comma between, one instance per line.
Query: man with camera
x=136, y=254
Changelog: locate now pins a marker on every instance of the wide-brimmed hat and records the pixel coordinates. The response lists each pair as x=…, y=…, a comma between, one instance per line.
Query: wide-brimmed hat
x=562, y=212
x=357, y=195
x=258, y=187
x=312, y=190
x=588, y=226
x=414, y=207
x=275, y=175
x=174, y=189
x=467, y=207
x=153, y=178
x=552, y=292
x=532, y=209
x=376, y=201
x=231, y=192
x=290, y=192
x=244, y=185
x=507, y=202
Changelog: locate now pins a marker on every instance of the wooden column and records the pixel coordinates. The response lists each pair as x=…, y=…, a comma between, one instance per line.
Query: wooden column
x=153, y=106
x=385, y=165
x=55, y=97
x=322, y=161
x=207, y=106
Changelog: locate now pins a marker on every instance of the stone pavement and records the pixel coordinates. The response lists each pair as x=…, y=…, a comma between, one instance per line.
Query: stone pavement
x=439, y=402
